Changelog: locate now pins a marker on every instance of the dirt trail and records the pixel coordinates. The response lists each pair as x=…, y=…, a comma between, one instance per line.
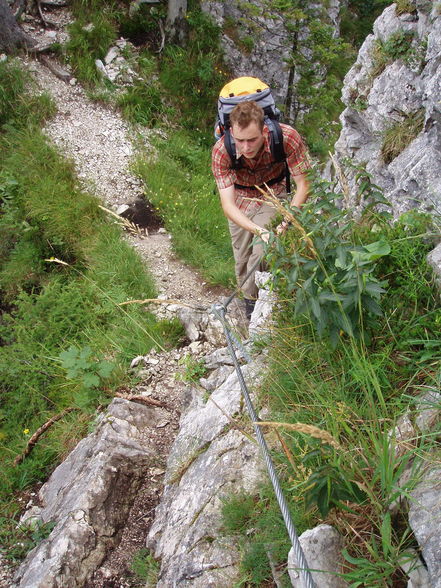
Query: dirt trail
x=98, y=141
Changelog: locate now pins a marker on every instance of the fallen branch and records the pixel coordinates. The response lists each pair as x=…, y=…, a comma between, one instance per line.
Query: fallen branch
x=142, y=399
x=161, y=301
x=40, y=12
x=39, y=432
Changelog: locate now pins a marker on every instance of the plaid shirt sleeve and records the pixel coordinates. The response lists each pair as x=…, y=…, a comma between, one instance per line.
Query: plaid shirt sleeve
x=221, y=166
x=296, y=151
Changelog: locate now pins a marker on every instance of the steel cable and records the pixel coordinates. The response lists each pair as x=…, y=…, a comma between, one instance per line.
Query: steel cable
x=303, y=569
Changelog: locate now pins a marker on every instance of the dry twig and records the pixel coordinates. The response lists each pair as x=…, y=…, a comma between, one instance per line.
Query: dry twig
x=35, y=437
x=142, y=399
x=303, y=428
x=131, y=227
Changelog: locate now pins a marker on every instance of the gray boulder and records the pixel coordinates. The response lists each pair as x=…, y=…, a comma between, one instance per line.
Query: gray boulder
x=377, y=100
x=322, y=547
x=89, y=496
x=425, y=521
x=210, y=460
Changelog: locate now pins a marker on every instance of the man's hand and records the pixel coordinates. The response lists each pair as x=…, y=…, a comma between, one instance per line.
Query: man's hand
x=263, y=234
x=281, y=228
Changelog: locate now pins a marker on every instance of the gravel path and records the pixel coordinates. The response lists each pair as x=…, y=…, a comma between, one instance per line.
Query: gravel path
x=98, y=141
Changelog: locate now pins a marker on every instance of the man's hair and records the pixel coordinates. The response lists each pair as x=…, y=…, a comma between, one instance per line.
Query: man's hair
x=246, y=113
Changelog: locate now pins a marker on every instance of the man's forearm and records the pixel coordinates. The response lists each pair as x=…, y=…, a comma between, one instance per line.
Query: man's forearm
x=302, y=190
x=235, y=215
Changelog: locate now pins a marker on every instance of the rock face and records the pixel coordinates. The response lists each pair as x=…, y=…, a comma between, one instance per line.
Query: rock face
x=88, y=496
x=259, y=45
x=394, y=87
x=425, y=521
x=322, y=547
x=210, y=460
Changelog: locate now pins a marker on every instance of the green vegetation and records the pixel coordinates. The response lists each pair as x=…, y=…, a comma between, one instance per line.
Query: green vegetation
x=179, y=184
x=400, y=45
x=358, y=17
x=194, y=369
x=346, y=470
x=64, y=270
x=20, y=539
x=145, y=568
x=401, y=134
x=352, y=385
x=356, y=340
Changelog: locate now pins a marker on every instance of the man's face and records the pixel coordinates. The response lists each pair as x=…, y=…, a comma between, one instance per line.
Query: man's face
x=248, y=140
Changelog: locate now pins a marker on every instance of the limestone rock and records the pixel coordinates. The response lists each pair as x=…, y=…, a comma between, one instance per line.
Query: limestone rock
x=260, y=321
x=425, y=521
x=415, y=570
x=88, y=497
x=201, y=325
x=208, y=462
x=376, y=101
x=322, y=547
x=434, y=259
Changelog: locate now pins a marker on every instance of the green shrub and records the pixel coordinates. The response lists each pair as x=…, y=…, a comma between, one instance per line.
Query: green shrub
x=89, y=41
x=145, y=568
x=329, y=277
x=400, y=45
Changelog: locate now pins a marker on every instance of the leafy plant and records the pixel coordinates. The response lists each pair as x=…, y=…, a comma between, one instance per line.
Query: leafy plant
x=194, y=369
x=20, y=539
x=145, y=568
x=79, y=365
x=328, y=487
x=400, y=45
x=329, y=278
x=382, y=565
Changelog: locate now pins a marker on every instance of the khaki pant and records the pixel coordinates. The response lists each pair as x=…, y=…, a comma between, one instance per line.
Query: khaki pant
x=246, y=254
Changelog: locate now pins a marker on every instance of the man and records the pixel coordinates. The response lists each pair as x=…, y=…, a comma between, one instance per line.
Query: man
x=247, y=212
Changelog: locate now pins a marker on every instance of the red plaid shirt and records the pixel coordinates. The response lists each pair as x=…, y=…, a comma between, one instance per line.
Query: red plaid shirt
x=260, y=169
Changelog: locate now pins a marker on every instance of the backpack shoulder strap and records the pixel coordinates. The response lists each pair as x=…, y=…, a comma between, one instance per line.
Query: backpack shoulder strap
x=230, y=146
x=277, y=148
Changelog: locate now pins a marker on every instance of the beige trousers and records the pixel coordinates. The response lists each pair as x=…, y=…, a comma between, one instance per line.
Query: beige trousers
x=246, y=253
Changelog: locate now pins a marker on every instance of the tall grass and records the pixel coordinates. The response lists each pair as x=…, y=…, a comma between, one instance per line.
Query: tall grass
x=179, y=184
x=64, y=269
x=356, y=392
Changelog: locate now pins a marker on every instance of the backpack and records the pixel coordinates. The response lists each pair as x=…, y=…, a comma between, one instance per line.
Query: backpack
x=241, y=90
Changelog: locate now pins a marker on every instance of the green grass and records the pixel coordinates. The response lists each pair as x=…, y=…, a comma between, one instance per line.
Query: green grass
x=64, y=270
x=401, y=134
x=179, y=184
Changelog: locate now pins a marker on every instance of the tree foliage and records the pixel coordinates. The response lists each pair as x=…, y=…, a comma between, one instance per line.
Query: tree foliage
x=316, y=59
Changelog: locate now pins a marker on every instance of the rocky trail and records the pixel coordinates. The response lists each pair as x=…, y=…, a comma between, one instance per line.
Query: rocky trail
x=98, y=141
